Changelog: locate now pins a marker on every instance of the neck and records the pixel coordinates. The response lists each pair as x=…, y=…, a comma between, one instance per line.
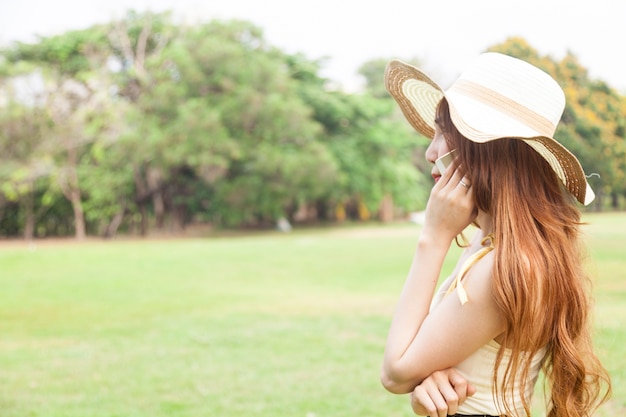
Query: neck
x=484, y=222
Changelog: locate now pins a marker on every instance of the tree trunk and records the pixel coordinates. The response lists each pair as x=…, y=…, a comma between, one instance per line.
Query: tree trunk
x=79, y=215
x=597, y=203
x=159, y=209
x=141, y=194
x=71, y=190
x=614, y=201
x=29, y=207
x=386, y=209
x=143, y=224
x=178, y=218
x=111, y=229
x=154, y=180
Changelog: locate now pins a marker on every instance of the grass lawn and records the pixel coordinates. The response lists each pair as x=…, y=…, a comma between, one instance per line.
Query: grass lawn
x=268, y=325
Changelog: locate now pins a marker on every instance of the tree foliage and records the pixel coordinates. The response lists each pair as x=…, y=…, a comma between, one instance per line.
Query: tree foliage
x=142, y=125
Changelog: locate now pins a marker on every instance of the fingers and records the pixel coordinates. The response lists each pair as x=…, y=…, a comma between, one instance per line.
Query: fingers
x=441, y=394
x=435, y=396
x=448, y=392
x=460, y=182
x=428, y=400
x=451, y=206
x=462, y=388
x=453, y=179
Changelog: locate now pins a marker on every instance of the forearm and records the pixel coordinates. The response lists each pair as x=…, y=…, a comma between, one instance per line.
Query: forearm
x=409, y=354
x=411, y=311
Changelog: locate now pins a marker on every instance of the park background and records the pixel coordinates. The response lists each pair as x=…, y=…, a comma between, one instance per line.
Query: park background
x=188, y=142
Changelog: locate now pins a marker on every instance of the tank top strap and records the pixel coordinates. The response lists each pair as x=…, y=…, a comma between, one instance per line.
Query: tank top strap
x=488, y=246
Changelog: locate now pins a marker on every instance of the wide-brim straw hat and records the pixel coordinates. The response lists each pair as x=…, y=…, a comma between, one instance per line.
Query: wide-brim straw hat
x=497, y=97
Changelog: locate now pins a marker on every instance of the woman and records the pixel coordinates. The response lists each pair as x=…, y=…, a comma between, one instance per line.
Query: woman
x=518, y=300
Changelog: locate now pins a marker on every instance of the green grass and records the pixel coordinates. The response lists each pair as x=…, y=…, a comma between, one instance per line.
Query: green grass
x=268, y=325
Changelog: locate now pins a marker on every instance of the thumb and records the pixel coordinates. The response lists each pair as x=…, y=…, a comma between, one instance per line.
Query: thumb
x=471, y=390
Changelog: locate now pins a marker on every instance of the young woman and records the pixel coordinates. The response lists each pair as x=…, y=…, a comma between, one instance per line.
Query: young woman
x=518, y=301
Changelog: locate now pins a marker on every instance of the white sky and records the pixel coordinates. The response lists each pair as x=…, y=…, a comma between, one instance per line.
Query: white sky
x=443, y=34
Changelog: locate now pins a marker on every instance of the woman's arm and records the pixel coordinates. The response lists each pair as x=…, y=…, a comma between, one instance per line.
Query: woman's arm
x=420, y=343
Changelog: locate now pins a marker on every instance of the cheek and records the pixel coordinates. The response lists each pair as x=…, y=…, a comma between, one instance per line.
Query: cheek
x=437, y=147
x=440, y=144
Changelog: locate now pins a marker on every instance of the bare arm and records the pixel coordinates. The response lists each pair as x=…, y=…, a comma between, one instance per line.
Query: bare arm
x=420, y=343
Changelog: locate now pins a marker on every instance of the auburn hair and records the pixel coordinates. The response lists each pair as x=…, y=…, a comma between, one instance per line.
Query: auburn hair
x=539, y=282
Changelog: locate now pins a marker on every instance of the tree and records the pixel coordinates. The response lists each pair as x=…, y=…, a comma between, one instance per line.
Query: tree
x=374, y=146
x=23, y=165
x=210, y=108
x=275, y=153
x=373, y=71
x=75, y=100
x=142, y=124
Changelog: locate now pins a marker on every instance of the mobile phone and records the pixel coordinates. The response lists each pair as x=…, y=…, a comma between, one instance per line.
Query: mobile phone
x=444, y=162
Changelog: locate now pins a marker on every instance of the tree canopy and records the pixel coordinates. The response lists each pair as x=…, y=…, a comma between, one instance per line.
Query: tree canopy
x=142, y=124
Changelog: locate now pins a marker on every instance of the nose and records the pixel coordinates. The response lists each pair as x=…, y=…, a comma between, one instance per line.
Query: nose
x=431, y=152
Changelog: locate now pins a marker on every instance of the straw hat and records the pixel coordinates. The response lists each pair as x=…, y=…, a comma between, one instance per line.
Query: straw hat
x=498, y=96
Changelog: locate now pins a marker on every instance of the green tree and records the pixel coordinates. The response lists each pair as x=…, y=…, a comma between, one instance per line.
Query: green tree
x=275, y=158
x=373, y=71
x=142, y=124
x=217, y=131
x=23, y=165
x=380, y=157
x=74, y=98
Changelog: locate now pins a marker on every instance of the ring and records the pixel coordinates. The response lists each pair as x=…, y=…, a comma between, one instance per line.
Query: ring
x=463, y=184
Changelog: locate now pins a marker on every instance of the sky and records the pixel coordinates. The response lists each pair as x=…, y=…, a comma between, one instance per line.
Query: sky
x=445, y=35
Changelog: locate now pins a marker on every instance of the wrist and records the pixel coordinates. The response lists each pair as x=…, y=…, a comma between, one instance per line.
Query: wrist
x=433, y=240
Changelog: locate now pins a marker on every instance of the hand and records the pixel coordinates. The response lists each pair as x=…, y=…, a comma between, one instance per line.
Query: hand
x=450, y=207
x=441, y=393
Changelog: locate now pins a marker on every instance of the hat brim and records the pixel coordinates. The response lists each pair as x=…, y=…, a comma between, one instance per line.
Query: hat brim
x=418, y=97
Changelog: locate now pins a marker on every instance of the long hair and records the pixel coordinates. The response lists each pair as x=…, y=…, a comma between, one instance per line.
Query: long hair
x=539, y=282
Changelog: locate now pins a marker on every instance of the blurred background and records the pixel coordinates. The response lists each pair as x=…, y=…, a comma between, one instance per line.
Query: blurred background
x=182, y=120
x=135, y=117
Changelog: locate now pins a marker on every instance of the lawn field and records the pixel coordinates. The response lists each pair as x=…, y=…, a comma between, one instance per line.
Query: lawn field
x=266, y=325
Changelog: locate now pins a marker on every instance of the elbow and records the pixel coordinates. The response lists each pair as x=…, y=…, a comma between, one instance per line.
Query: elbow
x=395, y=387
x=394, y=384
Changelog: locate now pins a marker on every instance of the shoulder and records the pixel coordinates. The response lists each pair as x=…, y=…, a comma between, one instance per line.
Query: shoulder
x=477, y=321
x=478, y=282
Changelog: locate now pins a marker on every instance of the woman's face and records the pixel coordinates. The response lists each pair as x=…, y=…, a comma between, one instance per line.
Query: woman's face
x=437, y=148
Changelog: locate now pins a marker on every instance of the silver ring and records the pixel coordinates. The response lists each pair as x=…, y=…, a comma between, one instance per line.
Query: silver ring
x=463, y=184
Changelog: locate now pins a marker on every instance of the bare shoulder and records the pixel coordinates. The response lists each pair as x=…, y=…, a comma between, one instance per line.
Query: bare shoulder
x=478, y=281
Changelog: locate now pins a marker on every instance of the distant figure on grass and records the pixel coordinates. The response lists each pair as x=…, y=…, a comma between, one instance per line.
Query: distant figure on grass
x=518, y=299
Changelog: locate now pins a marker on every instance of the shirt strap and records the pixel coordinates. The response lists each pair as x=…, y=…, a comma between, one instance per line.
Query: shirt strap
x=487, y=243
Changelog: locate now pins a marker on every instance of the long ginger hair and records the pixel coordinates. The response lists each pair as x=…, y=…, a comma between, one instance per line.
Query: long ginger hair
x=539, y=282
